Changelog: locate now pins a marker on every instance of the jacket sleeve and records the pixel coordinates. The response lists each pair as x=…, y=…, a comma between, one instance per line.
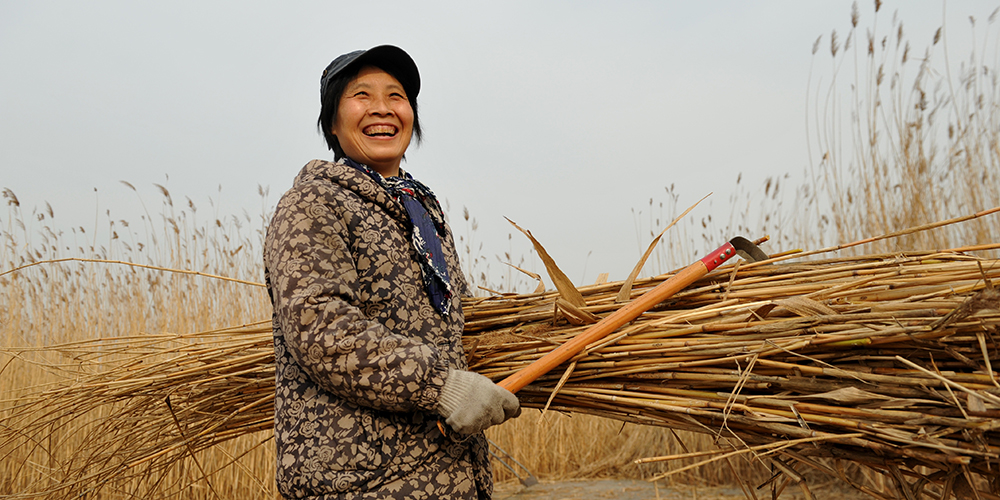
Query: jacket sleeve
x=333, y=342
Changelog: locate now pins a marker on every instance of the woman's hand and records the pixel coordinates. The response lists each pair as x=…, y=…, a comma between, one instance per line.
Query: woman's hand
x=471, y=402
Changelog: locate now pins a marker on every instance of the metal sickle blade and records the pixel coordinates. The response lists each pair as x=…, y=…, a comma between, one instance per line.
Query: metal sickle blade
x=746, y=249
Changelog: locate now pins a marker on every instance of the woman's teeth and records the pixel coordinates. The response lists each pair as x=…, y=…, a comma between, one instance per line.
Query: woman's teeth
x=380, y=130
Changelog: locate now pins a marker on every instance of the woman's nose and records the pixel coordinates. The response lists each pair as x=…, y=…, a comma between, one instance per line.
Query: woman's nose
x=380, y=106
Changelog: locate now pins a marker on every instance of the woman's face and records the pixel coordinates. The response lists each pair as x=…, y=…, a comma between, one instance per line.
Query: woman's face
x=374, y=121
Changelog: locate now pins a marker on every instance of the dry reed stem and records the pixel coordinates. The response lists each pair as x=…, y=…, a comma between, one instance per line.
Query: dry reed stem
x=131, y=264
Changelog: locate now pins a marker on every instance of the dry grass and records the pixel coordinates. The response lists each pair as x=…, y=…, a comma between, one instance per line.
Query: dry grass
x=62, y=303
x=900, y=132
x=903, y=135
x=886, y=360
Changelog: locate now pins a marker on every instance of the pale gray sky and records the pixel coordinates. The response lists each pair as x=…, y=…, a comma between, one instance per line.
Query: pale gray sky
x=563, y=116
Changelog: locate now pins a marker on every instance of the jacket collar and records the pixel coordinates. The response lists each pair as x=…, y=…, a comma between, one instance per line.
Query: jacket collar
x=355, y=181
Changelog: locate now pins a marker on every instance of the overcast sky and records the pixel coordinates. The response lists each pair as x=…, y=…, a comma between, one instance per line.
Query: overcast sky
x=563, y=116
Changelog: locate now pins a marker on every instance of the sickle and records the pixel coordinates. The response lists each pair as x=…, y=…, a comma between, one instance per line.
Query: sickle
x=736, y=246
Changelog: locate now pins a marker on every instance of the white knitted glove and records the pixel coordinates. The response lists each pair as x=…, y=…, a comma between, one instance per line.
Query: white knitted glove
x=471, y=402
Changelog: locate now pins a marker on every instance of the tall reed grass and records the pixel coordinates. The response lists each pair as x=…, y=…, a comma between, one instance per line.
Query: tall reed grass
x=900, y=132
x=904, y=136
x=62, y=302
x=912, y=141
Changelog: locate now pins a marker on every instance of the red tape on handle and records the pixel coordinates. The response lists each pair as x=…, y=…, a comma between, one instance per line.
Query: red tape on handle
x=720, y=255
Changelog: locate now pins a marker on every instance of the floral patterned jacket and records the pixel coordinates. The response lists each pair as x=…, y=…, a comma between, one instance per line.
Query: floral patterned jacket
x=361, y=354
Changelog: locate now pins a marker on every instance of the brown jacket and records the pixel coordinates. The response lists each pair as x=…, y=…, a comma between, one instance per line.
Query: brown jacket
x=361, y=354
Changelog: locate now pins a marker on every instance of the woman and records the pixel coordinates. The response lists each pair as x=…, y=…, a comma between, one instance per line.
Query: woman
x=366, y=284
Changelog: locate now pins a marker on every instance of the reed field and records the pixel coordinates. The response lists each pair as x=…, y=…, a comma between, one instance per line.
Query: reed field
x=134, y=362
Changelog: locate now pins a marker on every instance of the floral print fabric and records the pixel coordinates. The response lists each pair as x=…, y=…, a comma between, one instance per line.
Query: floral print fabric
x=361, y=353
x=428, y=228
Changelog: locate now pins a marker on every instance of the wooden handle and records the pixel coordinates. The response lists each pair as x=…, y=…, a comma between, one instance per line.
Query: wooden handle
x=627, y=313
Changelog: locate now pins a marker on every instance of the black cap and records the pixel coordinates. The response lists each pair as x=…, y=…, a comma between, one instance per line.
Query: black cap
x=390, y=58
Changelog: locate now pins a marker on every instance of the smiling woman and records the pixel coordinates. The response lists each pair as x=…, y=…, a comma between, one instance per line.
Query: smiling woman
x=375, y=121
x=388, y=68
x=366, y=285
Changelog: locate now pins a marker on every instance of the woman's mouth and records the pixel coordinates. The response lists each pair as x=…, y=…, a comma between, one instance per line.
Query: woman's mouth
x=380, y=130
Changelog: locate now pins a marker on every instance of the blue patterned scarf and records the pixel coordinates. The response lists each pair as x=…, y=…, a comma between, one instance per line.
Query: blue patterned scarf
x=428, y=228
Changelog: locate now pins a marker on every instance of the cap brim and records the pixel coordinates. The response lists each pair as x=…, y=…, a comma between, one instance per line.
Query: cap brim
x=389, y=58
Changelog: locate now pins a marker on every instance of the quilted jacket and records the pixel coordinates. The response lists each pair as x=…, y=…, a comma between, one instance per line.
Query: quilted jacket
x=361, y=354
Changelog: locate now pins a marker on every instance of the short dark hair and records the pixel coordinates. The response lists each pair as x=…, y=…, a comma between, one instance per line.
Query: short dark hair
x=331, y=102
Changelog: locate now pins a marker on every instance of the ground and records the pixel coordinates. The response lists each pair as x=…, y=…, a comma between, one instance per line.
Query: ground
x=644, y=490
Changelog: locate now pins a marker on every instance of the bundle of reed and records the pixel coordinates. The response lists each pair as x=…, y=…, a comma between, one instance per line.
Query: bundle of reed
x=885, y=361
